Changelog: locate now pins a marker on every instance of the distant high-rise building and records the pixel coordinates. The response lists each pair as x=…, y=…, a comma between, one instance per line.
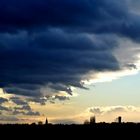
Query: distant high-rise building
x=119, y=119
x=92, y=120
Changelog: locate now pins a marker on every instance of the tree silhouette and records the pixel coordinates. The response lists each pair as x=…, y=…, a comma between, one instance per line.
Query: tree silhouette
x=86, y=122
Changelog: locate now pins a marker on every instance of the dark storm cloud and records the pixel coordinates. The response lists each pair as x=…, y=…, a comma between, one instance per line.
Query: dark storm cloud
x=104, y=16
x=51, y=58
x=55, y=43
x=65, y=13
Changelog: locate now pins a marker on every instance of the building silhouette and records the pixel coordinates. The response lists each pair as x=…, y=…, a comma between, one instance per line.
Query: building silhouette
x=40, y=123
x=92, y=120
x=119, y=119
x=46, y=122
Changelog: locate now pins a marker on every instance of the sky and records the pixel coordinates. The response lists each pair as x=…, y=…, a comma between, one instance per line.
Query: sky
x=68, y=60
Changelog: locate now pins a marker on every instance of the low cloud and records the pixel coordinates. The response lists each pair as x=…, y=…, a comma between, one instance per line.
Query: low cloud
x=96, y=110
x=3, y=100
x=4, y=108
x=112, y=109
x=16, y=106
x=41, y=101
x=31, y=113
x=18, y=101
x=61, y=98
x=4, y=118
x=24, y=107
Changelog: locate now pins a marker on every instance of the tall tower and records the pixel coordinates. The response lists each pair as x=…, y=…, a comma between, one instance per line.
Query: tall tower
x=46, y=122
x=119, y=119
x=92, y=120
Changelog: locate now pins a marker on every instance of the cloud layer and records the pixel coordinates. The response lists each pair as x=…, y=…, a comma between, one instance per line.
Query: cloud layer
x=112, y=109
x=15, y=106
x=53, y=44
x=110, y=113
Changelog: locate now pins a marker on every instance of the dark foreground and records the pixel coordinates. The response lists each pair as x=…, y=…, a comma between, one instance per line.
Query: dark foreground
x=69, y=131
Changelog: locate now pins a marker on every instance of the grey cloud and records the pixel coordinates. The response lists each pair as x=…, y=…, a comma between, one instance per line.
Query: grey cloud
x=18, y=101
x=17, y=112
x=111, y=109
x=61, y=98
x=3, y=108
x=117, y=109
x=41, y=101
x=24, y=107
x=31, y=113
x=96, y=110
x=24, y=110
x=52, y=102
x=131, y=66
x=8, y=118
x=3, y=100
